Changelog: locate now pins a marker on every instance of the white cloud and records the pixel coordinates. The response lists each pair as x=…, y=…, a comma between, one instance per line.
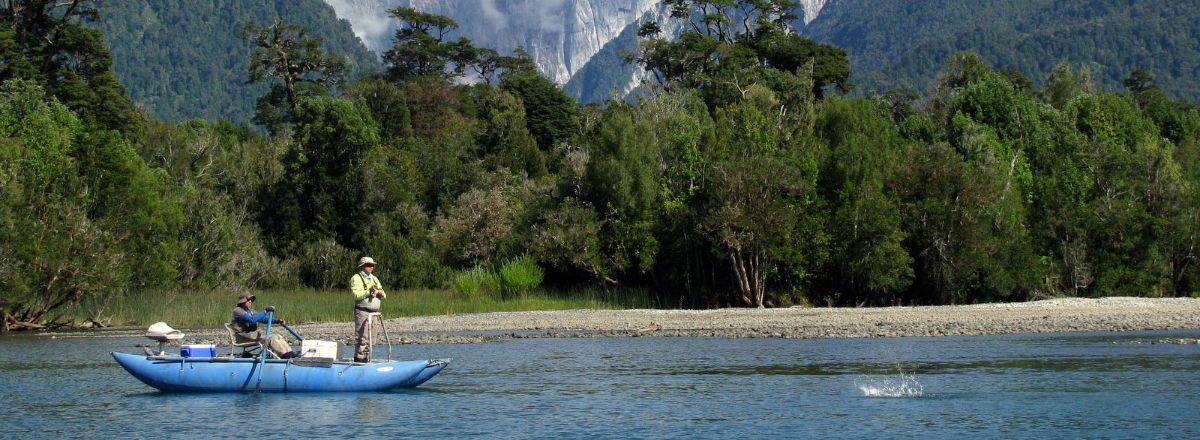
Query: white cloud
x=498, y=19
x=369, y=20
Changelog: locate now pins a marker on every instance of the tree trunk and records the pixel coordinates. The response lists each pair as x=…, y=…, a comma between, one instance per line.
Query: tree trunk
x=11, y=324
x=739, y=271
x=759, y=280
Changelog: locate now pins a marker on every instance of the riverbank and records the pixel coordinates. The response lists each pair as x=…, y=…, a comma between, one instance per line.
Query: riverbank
x=199, y=308
x=1055, y=315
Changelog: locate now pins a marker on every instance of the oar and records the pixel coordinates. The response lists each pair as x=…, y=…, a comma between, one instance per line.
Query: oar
x=293, y=332
x=262, y=358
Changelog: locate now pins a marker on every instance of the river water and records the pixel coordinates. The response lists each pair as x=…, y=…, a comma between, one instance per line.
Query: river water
x=1098, y=385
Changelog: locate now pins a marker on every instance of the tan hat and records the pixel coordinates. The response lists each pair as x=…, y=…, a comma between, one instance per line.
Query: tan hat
x=245, y=295
x=365, y=261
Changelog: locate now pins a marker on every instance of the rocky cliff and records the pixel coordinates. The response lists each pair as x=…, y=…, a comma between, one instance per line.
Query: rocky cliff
x=561, y=35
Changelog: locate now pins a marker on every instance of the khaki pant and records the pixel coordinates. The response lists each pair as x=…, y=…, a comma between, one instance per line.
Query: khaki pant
x=365, y=333
x=277, y=345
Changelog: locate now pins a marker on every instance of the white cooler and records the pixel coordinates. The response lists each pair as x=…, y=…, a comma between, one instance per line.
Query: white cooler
x=313, y=348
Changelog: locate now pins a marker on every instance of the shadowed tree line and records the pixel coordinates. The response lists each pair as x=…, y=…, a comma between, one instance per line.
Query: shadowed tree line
x=743, y=177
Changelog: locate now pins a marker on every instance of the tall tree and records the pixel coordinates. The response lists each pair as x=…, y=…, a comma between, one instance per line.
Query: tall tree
x=53, y=253
x=623, y=184
x=551, y=115
x=490, y=65
x=422, y=47
x=727, y=45
x=285, y=52
x=326, y=183
x=867, y=263
x=43, y=40
x=501, y=133
x=760, y=188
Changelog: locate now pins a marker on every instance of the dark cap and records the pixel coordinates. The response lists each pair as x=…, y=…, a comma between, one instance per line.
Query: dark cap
x=244, y=296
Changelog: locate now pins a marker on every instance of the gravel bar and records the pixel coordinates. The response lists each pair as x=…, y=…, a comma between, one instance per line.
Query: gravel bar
x=1046, y=316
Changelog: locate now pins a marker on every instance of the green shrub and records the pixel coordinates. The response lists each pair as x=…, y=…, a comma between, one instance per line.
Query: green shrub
x=324, y=264
x=477, y=282
x=421, y=270
x=520, y=275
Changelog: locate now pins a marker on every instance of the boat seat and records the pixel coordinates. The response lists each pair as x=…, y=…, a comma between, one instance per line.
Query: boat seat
x=249, y=348
x=162, y=333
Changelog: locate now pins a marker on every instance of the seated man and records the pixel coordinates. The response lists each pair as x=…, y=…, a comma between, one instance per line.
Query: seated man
x=245, y=327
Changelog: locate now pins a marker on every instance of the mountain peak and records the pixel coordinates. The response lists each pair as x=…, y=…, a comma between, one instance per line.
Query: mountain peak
x=561, y=35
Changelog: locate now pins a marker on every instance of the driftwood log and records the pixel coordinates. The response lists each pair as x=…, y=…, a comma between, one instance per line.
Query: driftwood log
x=11, y=323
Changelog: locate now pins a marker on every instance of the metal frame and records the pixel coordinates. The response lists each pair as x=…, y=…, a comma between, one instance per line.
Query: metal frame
x=371, y=335
x=243, y=345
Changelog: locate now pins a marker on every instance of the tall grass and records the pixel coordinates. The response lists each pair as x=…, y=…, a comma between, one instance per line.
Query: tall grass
x=476, y=282
x=212, y=308
x=520, y=275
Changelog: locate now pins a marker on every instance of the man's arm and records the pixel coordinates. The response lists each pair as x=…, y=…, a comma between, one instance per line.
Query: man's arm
x=260, y=317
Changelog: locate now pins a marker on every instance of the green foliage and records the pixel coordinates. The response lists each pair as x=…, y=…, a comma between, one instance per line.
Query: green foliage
x=323, y=264
x=900, y=43
x=790, y=52
x=483, y=221
x=501, y=134
x=489, y=63
x=737, y=182
x=520, y=275
x=183, y=59
x=477, y=282
x=760, y=190
x=867, y=260
x=623, y=184
x=422, y=49
x=284, y=52
x=324, y=188
x=216, y=170
x=551, y=114
x=388, y=103
x=54, y=253
x=128, y=192
x=568, y=240
x=44, y=40
x=399, y=240
x=1129, y=205
x=728, y=45
x=204, y=308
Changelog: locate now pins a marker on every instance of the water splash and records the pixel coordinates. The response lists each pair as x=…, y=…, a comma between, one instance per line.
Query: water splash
x=904, y=385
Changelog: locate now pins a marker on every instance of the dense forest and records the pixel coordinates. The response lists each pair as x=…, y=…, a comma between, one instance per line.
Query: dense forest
x=902, y=43
x=746, y=176
x=183, y=59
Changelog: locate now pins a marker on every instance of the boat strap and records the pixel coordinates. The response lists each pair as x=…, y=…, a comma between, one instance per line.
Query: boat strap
x=313, y=362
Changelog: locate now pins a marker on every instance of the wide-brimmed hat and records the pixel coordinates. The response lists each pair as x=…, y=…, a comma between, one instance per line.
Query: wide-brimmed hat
x=365, y=261
x=245, y=295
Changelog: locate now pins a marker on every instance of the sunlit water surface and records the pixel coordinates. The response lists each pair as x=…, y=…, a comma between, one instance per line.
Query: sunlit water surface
x=1109, y=385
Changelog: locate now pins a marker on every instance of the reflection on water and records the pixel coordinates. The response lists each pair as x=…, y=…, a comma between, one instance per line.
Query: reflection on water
x=1096, y=385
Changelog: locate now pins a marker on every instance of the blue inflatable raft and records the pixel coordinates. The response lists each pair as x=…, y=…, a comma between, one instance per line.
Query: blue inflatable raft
x=232, y=374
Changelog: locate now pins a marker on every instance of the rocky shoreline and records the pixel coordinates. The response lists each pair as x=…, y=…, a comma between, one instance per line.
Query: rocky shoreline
x=1047, y=316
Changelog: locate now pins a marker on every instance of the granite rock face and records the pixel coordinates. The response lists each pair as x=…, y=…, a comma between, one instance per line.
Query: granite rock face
x=561, y=35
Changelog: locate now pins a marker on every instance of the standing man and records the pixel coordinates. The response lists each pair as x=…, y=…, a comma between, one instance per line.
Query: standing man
x=367, y=292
